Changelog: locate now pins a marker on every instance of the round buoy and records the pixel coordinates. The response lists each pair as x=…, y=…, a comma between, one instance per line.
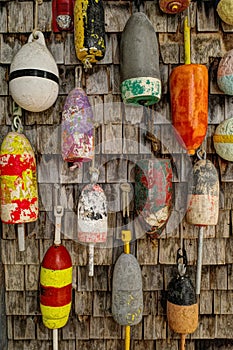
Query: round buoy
x=77, y=128
x=33, y=80
x=127, y=297
x=203, y=201
x=173, y=6
x=56, y=287
x=225, y=73
x=19, y=194
x=225, y=11
x=153, y=193
x=223, y=139
x=139, y=62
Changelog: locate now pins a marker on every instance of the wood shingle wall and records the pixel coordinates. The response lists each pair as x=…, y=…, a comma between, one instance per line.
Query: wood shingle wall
x=120, y=142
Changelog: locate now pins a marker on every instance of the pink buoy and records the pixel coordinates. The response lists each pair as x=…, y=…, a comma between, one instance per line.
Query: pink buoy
x=77, y=128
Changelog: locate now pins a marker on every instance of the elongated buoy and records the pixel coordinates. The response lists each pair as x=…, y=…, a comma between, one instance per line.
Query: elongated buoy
x=225, y=73
x=127, y=295
x=223, y=139
x=56, y=282
x=77, y=128
x=203, y=205
x=34, y=79
x=139, y=62
x=18, y=179
x=189, y=99
x=153, y=193
x=92, y=219
x=89, y=31
x=173, y=6
x=182, y=307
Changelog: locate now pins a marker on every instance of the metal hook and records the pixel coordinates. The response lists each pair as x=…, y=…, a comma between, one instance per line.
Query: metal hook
x=201, y=154
x=17, y=125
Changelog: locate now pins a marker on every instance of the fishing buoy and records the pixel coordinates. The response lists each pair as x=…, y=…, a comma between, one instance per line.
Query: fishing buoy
x=77, y=128
x=56, y=282
x=139, y=62
x=127, y=295
x=18, y=191
x=173, y=6
x=92, y=219
x=63, y=15
x=225, y=11
x=225, y=73
x=127, y=300
x=203, y=204
x=223, y=139
x=182, y=307
x=153, y=193
x=33, y=80
x=56, y=287
x=189, y=99
x=89, y=31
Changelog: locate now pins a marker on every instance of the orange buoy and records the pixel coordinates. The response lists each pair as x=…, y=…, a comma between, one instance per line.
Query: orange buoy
x=56, y=287
x=18, y=191
x=189, y=99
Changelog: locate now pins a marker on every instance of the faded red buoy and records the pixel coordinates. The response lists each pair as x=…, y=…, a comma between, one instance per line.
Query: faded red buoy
x=153, y=193
x=19, y=194
x=63, y=15
x=173, y=6
x=56, y=287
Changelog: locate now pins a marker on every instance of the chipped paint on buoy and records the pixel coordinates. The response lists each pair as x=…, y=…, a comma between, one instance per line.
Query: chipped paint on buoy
x=127, y=297
x=173, y=6
x=203, y=202
x=225, y=11
x=77, y=128
x=225, y=73
x=153, y=193
x=19, y=194
x=92, y=215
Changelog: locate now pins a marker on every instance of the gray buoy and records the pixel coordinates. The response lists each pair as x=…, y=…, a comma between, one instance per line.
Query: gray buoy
x=127, y=298
x=139, y=62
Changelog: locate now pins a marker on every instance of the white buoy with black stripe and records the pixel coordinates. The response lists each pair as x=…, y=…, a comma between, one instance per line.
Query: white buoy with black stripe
x=34, y=79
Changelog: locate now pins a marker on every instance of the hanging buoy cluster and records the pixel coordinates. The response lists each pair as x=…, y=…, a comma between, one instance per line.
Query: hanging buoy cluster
x=89, y=31
x=19, y=194
x=34, y=79
x=153, y=193
x=56, y=287
x=139, y=62
x=173, y=6
x=77, y=128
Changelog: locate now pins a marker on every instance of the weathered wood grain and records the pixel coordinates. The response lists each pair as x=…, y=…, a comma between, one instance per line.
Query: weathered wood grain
x=116, y=15
x=20, y=16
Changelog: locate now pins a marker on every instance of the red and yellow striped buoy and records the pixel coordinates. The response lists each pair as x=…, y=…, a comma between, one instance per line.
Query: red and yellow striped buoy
x=56, y=287
x=18, y=191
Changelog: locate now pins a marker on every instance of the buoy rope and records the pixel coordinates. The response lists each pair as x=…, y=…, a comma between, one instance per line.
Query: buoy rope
x=17, y=125
x=38, y=2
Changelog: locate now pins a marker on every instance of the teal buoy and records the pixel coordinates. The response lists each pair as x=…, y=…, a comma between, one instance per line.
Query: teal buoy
x=139, y=62
x=225, y=73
